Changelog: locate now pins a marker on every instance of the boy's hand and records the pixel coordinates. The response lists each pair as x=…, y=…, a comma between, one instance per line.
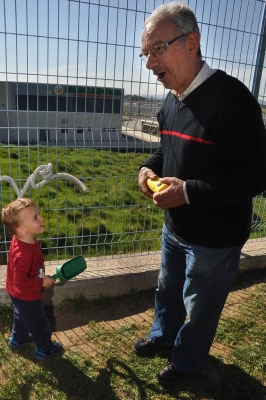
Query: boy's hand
x=48, y=281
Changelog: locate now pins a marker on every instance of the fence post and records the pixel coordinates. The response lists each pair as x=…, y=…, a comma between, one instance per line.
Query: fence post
x=260, y=57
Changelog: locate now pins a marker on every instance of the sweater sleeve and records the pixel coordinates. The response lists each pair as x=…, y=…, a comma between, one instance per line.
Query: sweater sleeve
x=241, y=139
x=155, y=162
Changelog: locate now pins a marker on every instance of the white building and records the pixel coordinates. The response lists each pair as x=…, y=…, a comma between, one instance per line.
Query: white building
x=61, y=115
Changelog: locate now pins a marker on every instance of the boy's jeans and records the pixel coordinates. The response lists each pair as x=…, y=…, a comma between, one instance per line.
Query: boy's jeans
x=30, y=321
x=193, y=281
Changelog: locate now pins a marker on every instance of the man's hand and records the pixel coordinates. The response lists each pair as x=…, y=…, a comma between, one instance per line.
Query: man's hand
x=144, y=175
x=171, y=197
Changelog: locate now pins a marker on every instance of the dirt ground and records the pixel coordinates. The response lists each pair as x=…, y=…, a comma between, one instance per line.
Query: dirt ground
x=71, y=328
x=62, y=319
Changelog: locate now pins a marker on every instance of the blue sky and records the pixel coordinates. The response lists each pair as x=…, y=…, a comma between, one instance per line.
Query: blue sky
x=98, y=42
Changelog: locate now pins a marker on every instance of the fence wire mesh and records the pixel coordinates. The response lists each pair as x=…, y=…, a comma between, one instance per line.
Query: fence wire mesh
x=75, y=94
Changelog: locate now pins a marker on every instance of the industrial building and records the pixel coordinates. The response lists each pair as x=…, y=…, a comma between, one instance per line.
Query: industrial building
x=50, y=114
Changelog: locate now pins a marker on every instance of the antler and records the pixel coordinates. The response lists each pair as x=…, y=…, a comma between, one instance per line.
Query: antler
x=46, y=172
x=13, y=183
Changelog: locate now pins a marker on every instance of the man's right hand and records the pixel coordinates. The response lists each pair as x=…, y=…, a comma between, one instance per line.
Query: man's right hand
x=144, y=175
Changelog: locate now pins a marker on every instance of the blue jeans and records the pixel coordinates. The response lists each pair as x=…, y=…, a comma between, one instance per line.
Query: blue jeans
x=30, y=322
x=193, y=285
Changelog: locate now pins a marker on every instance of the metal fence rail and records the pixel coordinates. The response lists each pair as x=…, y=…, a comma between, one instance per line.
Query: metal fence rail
x=74, y=93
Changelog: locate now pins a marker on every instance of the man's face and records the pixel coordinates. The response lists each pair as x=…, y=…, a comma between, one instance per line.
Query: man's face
x=174, y=66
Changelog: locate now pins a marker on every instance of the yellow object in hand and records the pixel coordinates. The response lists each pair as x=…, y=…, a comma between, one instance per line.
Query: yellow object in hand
x=156, y=185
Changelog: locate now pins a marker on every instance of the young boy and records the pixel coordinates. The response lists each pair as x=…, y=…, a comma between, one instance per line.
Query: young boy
x=26, y=280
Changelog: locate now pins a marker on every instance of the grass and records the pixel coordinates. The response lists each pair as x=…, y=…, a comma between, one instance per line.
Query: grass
x=99, y=363
x=113, y=217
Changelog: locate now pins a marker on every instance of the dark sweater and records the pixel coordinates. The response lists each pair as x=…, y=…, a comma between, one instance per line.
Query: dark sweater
x=215, y=140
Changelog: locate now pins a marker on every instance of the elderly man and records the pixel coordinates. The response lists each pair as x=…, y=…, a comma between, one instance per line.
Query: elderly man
x=212, y=156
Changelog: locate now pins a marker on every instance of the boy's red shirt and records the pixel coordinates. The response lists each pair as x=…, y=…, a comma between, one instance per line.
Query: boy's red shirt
x=25, y=264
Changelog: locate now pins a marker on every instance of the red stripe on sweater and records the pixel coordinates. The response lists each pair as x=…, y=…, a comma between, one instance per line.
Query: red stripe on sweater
x=187, y=137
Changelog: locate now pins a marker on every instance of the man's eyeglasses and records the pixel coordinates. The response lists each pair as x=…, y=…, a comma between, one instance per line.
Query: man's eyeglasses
x=160, y=49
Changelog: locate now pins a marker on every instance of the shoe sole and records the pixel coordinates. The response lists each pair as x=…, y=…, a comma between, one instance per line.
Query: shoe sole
x=166, y=383
x=14, y=347
x=151, y=352
x=40, y=358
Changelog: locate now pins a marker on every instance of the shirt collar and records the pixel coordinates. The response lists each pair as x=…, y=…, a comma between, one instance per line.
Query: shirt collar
x=204, y=74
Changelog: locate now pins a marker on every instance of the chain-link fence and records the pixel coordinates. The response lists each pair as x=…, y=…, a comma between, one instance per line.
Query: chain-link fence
x=75, y=96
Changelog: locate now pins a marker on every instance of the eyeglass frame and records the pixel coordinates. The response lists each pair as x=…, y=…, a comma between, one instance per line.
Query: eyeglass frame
x=144, y=54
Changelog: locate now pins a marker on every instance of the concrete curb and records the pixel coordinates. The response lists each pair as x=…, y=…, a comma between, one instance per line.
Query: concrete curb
x=116, y=276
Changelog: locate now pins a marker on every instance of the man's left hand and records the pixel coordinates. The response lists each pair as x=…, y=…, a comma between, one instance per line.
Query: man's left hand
x=171, y=197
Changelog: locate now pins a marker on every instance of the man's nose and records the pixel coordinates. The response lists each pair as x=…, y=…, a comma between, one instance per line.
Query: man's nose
x=151, y=61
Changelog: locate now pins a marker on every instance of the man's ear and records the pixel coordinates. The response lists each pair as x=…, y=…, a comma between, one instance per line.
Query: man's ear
x=193, y=44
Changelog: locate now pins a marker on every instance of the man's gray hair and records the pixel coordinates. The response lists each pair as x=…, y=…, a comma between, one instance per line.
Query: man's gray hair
x=179, y=13
x=182, y=17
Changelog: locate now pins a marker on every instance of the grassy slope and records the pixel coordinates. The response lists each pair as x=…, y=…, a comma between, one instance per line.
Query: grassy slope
x=113, y=217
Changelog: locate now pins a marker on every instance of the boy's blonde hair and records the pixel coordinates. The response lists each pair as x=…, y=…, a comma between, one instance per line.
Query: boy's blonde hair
x=10, y=213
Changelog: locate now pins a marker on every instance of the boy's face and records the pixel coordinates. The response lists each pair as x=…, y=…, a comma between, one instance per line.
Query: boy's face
x=32, y=222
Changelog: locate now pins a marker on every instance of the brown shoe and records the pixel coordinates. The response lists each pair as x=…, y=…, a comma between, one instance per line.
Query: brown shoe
x=171, y=376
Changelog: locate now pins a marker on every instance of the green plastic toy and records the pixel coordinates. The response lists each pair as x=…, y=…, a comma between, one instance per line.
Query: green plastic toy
x=70, y=268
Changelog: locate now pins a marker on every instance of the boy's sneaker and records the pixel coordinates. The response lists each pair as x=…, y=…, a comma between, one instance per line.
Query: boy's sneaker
x=13, y=344
x=41, y=355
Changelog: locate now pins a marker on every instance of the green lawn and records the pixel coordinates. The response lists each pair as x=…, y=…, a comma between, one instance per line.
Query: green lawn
x=112, y=218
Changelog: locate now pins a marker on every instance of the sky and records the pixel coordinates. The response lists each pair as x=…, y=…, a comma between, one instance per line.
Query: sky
x=98, y=42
